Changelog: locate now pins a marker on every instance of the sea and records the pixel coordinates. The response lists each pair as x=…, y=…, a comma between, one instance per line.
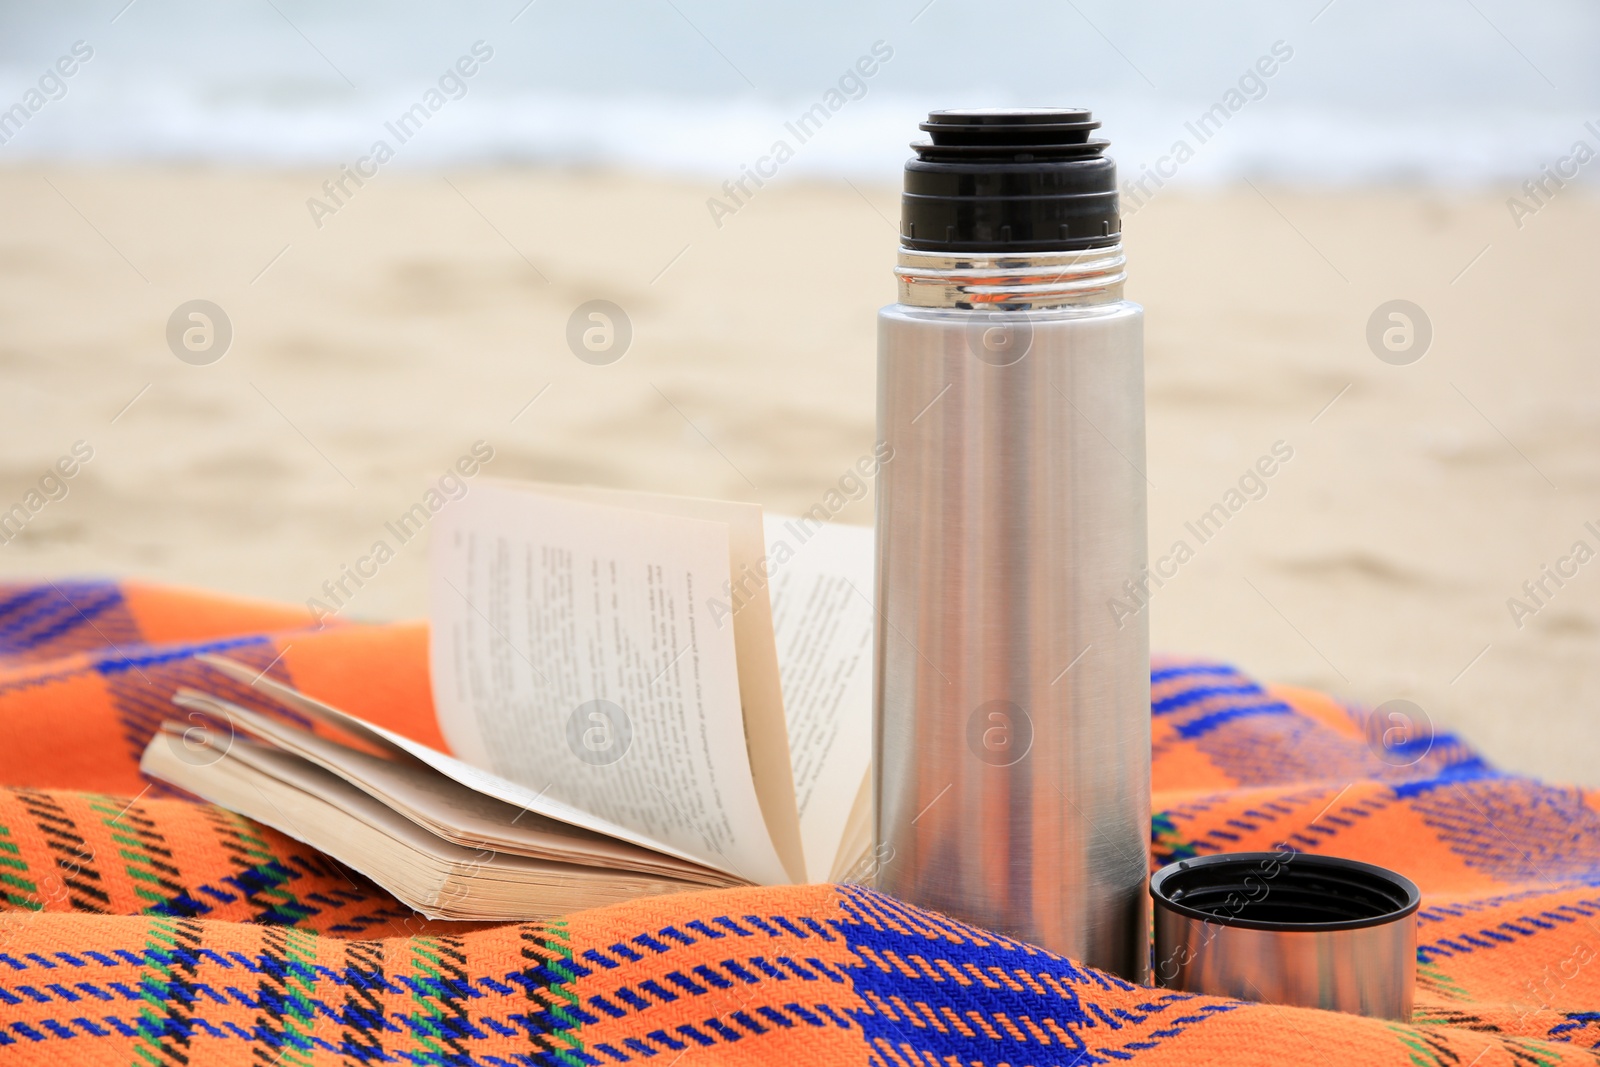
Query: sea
x=1323, y=92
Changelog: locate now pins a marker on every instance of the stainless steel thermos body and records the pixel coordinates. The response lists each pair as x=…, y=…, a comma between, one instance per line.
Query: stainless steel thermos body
x=1012, y=703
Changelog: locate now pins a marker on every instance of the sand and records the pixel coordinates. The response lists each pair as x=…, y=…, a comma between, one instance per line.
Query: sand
x=425, y=315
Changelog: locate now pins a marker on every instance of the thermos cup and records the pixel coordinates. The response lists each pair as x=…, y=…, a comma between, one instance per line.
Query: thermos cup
x=1289, y=928
x=1012, y=690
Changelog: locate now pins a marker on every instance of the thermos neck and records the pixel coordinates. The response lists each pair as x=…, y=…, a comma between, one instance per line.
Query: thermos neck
x=1011, y=281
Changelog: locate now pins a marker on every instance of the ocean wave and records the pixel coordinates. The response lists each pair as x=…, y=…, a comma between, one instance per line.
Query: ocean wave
x=714, y=138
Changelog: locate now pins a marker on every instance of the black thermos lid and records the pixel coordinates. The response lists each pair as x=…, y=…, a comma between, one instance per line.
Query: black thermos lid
x=1010, y=180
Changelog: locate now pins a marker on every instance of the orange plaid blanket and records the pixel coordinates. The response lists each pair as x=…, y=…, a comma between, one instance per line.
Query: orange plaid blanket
x=143, y=928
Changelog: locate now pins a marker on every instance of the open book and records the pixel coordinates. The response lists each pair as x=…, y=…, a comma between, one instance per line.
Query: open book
x=640, y=693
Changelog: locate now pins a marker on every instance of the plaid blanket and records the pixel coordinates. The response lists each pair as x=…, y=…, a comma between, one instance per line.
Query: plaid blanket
x=143, y=928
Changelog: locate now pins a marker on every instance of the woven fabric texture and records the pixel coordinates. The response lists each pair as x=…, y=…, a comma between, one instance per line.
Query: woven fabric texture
x=142, y=928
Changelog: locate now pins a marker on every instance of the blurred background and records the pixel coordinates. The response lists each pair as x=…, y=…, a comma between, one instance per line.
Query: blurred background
x=394, y=211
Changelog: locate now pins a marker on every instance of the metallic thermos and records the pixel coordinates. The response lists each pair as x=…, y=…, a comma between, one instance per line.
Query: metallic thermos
x=1012, y=702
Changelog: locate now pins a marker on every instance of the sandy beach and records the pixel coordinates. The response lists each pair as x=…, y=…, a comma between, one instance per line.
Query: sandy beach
x=430, y=313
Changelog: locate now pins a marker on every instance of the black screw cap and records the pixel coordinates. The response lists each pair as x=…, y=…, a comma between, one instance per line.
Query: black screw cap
x=1010, y=180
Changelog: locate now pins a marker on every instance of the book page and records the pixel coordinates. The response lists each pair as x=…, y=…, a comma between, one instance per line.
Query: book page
x=425, y=872
x=573, y=651
x=857, y=861
x=821, y=586
x=398, y=746
x=449, y=809
x=742, y=603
